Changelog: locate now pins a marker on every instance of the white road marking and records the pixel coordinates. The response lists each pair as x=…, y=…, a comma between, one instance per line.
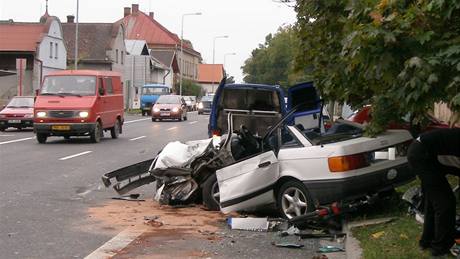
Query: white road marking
x=117, y=243
x=128, y=122
x=173, y=128
x=16, y=140
x=72, y=156
x=137, y=138
x=193, y=122
x=6, y=135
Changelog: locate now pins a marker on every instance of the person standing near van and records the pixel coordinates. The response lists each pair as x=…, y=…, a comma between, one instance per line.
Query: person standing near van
x=432, y=156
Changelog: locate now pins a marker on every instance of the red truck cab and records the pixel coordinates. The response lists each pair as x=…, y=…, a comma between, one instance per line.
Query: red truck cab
x=79, y=103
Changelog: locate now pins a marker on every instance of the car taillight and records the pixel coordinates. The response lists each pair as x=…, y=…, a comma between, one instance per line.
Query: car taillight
x=347, y=163
x=216, y=132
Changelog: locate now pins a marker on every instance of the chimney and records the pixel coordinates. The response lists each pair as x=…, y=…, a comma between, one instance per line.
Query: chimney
x=135, y=8
x=70, y=19
x=151, y=15
x=127, y=11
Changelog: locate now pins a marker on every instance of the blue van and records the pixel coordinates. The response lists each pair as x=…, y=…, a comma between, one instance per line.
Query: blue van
x=258, y=107
x=150, y=94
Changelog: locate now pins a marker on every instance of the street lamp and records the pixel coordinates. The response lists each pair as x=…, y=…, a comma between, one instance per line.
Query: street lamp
x=228, y=54
x=214, y=46
x=182, y=49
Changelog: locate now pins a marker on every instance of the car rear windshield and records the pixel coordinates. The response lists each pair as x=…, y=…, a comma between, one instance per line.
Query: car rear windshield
x=251, y=99
x=154, y=90
x=69, y=85
x=168, y=99
x=20, y=102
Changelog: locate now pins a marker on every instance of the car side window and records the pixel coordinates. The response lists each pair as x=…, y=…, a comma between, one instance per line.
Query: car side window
x=288, y=139
x=108, y=85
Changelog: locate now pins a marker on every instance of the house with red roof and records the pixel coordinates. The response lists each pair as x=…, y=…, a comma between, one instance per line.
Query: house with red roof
x=162, y=42
x=41, y=44
x=209, y=76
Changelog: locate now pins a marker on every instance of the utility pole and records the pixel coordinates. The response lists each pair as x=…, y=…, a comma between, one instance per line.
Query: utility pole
x=76, y=37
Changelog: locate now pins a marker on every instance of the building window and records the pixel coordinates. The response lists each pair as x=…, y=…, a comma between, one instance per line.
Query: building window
x=56, y=50
x=122, y=57
x=116, y=56
x=51, y=50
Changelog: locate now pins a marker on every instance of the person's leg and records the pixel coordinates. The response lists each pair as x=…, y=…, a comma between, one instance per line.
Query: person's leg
x=428, y=222
x=443, y=201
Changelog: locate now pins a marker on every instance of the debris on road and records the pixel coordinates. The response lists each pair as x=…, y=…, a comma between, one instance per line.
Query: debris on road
x=288, y=245
x=251, y=224
x=330, y=249
x=129, y=197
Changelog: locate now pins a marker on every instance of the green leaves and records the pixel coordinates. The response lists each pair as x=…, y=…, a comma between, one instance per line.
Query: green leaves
x=399, y=56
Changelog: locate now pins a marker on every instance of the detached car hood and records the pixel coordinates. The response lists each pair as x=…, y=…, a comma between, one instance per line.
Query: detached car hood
x=64, y=103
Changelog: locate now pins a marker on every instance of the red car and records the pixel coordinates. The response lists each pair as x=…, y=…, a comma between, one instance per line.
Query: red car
x=364, y=116
x=19, y=113
x=169, y=107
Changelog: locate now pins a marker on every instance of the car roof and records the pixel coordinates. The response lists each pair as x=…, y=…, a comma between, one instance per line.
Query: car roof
x=253, y=86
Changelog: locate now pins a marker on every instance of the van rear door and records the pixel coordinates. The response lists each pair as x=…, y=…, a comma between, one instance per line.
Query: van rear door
x=309, y=114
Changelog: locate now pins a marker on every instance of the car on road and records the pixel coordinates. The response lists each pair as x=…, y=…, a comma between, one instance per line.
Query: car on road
x=18, y=113
x=169, y=107
x=205, y=104
x=191, y=102
x=79, y=103
x=150, y=94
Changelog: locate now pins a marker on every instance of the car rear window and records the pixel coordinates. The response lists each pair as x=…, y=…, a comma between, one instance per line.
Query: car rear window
x=251, y=99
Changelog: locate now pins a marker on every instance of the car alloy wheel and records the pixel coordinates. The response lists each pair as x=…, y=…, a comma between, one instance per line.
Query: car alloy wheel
x=293, y=202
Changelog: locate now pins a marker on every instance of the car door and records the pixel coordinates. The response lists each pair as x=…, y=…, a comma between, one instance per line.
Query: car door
x=248, y=183
x=308, y=114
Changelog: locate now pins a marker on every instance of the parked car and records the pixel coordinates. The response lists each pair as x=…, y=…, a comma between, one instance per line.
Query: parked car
x=363, y=116
x=18, y=113
x=191, y=102
x=150, y=94
x=169, y=107
x=79, y=103
x=205, y=104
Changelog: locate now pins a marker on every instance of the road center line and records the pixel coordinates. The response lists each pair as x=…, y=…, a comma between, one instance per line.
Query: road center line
x=128, y=122
x=6, y=135
x=117, y=243
x=16, y=140
x=72, y=156
x=193, y=122
x=173, y=128
x=137, y=138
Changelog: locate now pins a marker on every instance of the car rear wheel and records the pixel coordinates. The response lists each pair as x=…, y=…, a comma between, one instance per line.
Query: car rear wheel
x=41, y=138
x=96, y=134
x=67, y=137
x=115, y=131
x=210, y=193
x=294, y=200
x=2, y=128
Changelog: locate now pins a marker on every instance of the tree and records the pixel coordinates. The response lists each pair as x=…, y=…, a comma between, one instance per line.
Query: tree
x=230, y=80
x=273, y=61
x=189, y=88
x=399, y=56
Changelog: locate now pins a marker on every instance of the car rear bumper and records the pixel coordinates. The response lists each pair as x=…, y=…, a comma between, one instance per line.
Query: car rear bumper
x=330, y=190
x=19, y=123
x=75, y=129
x=204, y=110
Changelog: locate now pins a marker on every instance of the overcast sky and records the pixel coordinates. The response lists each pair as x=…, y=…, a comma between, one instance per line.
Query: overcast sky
x=246, y=22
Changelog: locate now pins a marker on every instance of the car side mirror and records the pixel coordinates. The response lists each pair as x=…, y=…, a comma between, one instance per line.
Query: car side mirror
x=101, y=91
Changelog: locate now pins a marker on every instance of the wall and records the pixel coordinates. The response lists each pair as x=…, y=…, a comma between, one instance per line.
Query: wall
x=118, y=64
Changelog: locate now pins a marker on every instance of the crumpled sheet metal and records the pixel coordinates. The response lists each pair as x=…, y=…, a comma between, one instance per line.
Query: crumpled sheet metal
x=177, y=154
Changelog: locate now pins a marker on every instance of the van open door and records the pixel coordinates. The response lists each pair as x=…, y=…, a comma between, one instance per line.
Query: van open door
x=249, y=183
x=309, y=114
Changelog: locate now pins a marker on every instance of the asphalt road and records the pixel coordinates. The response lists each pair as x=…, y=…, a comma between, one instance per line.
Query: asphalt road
x=45, y=190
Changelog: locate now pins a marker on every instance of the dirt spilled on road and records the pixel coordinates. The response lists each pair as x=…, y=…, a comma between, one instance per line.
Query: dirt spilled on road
x=168, y=232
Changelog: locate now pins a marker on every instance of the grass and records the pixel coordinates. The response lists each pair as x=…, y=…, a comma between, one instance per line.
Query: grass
x=133, y=111
x=397, y=239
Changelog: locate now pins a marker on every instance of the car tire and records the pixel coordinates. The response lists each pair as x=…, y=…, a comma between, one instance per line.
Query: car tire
x=153, y=119
x=41, y=138
x=210, y=193
x=66, y=137
x=116, y=129
x=299, y=201
x=96, y=134
x=143, y=113
x=2, y=129
x=185, y=117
